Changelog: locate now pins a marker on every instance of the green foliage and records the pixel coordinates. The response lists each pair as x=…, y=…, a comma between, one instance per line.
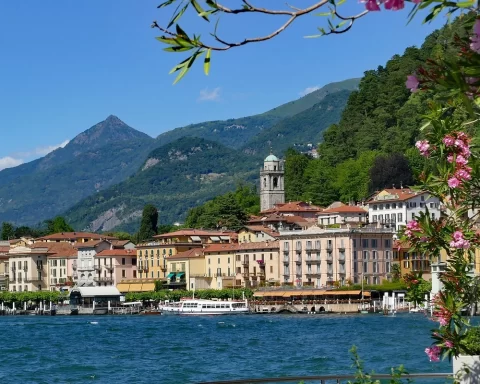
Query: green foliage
x=149, y=223
x=365, y=378
x=385, y=286
x=471, y=341
x=229, y=210
x=417, y=287
x=29, y=296
x=8, y=231
x=120, y=235
x=294, y=171
x=176, y=295
x=390, y=170
x=57, y=225
x=396, y=273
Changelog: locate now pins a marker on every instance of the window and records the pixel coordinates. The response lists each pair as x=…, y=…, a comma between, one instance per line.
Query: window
x=393, y=217
x=124, y=273
x=387, y=206
x=254, y=257
x=375, y=207
x=271, y=269
x=375, y=267
x=354, y=243
x=387, y=255
x=286, y=246
x=208, y=261
x=374, y=219
x=238, y=257
x=422, y=198
x=380, y=206
x=394, y=205
x=433, y=216
x=354, y=255
x=365, y=243
x=271, y=256
x=123, y=261
x=400, y=205
x=399, y=217
x=365, y=267
x=374, y=255
x=432, y=205
x=218, y=261
x=374, y=243
x=380, y=218
x=388, y=269
x=365, y=255
x=413, y=216
x=134, y=274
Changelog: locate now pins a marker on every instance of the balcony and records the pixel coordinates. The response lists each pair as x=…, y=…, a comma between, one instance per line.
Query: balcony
x=298, y=260
x=245, y=263
x=110, y=268
x=313, y=274
x=74, y=274
x=329, y=259
x=314, y=261
x=140, y=267
x=329, y=248
x=103, y=279
x=25, y=269
x=145, y=268
x=286, y=250
x=286, y=273
x=33, y=279
x=74, y=265
x=341, y=257
x=163, y=269
x=298, y=250
x=341, y=248
x=97, y=267
x=286, y=260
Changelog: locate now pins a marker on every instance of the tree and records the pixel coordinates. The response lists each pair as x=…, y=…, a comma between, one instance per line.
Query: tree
x=8, y=231
x=295, y=165
x=57, y=225
x=390, y=170
x=149, y=223
x=417, y=287
x=396, y=272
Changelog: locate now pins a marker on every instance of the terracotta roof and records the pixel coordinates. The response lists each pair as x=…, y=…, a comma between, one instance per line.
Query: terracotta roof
x=117, y=252
x=277, y=218
x=397, y=195
x=193, y=232
x=402, y=245
x=191, y=253
x=119, y=243
x=75, y=236
x=293, y=206
x=261, y=228
x=57, y=249
x=88, y=244
x=241, y=246
x=344, y=209
x=4, y=249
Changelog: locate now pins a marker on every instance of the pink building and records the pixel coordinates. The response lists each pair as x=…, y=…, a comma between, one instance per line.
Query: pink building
x=322, y=257
x=114, y=265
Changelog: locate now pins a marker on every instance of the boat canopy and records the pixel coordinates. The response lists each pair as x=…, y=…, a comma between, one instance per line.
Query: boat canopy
x=307, y=292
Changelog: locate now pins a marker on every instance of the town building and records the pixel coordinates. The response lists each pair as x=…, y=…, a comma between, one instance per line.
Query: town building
x=395, y=207
x=272, y=189
x=340, y=214
x=114, y=265
x=87, y=269
x=60, y=259
x=184, y=268
x=302, y=209
x=28, y=269
x=4, y=273
x=255, y=233
x=73, y=237
x=334, y=256
x=411, y=261
x=278, y=221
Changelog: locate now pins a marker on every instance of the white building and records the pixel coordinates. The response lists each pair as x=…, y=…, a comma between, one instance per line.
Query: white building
x=28, y=269
x=272, y=190
x=342, y=214
x=86, y=261
x=395, y=207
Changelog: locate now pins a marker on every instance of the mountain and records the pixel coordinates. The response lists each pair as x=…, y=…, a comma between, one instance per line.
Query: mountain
x=302, y=129
x=175, y=177
x=236, y=133
x=187, y=172
x=111, y=151
x=103, y=155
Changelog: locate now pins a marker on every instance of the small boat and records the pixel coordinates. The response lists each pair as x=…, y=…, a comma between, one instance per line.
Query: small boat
x=417, y=310
x=100, y=311
x=151, y=312
x=205, y=307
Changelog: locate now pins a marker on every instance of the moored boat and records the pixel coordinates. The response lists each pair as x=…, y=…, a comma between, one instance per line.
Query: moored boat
x=205, y=307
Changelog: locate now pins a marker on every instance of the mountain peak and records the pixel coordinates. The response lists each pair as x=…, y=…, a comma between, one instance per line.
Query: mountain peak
x=113, y=119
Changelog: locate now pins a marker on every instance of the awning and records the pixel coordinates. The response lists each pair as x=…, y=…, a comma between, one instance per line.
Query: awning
x=170, y=275
x=195, y=238
x=225, y=237
x=180, y=274
x=214, y=238
x=122, y=287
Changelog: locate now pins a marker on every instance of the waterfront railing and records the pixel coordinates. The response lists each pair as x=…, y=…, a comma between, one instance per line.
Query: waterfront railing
x=338, y=379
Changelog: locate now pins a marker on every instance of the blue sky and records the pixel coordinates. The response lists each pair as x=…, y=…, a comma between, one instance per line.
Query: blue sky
x=66, y=65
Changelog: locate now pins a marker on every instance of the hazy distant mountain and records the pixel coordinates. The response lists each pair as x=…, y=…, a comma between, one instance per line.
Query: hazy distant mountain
x=105, y=154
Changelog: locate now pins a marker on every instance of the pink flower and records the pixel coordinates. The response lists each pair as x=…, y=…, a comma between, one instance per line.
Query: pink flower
x=424, y=147
x=448, y=140
x=463, y=174
x=460, y=160
x=412, y=82
x=475, y=38
x=449, y=344
x=433, y=353
x=443, y=321
x=372, y=5
x=394, y=5
x=458, y=241
x=450, y=158
x=413, y=225
x=453, y=182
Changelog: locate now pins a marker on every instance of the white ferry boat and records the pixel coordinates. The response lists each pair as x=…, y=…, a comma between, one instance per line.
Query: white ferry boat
x=205, y=307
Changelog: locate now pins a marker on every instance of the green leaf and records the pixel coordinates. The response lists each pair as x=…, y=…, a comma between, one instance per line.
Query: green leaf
x=178, y=49
x=177, y=16
x=199, y=9
x=206, y=63
x=166, y=3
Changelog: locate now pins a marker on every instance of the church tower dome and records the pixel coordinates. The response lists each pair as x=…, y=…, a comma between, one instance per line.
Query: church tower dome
x=272, y=190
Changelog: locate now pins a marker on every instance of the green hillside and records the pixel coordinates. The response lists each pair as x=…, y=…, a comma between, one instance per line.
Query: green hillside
x=236, y=133
x=305, y=128
x=174, y=178
x=104, y=155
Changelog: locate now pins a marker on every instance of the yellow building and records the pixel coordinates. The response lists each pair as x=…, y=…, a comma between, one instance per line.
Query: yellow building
x=411, y=261
x=255, y=233
x=4, y=249
x=153, y=257
x=220, y=266
x=73, y=237
x=184, y=268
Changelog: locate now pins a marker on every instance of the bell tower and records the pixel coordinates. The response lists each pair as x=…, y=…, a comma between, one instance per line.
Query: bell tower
x=272, y=190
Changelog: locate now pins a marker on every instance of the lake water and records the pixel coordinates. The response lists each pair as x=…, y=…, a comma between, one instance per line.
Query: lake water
x=179, y=349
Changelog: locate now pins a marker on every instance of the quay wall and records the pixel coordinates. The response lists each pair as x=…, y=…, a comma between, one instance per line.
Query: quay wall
x=306, y=308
